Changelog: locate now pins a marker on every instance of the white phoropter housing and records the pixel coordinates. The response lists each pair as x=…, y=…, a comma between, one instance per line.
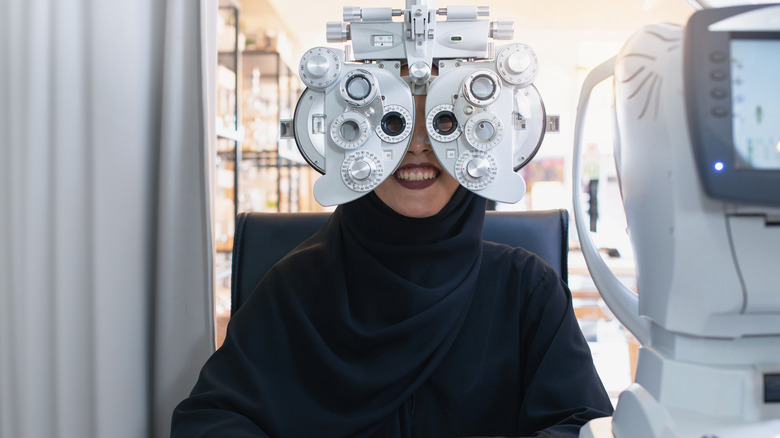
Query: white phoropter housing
x=484, y=117
x=697, y=115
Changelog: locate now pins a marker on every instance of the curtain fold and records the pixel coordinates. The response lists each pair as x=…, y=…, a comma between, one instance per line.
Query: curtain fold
x=105, y=239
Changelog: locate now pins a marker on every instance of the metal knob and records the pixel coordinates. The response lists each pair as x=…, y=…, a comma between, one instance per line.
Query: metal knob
x=337, y=32
x=420, y=72
x=361, y=169
x=351, y=13
x=502, y=29
x=478, y=167
x=317, y=66
x=518, y=62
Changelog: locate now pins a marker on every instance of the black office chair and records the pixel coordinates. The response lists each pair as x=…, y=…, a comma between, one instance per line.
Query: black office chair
x=261, y=239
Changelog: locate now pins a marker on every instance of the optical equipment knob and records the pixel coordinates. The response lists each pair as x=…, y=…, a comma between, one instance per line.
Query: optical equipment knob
x=351, y=13
x=337, y=32
x=518, y=62
x=320, y=67
x=420, y=72
x=317, y=66
x=361, y=169
x=464, y=13
x=478, y=167
x=502, y=29
x=475, y=170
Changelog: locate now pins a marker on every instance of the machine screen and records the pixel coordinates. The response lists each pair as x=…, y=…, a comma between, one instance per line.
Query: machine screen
x=755, y=69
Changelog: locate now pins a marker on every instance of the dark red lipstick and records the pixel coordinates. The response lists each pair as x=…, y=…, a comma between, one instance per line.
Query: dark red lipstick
x=417, y=176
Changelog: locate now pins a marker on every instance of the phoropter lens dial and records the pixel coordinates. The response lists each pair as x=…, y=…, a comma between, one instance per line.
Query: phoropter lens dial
x=484, y=130
x=349, y=130
x=359, y=88
x=442, y=124
x=396, y=124
x=482, y=87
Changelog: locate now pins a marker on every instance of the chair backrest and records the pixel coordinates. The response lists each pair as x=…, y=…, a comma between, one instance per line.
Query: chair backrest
x=261, y=239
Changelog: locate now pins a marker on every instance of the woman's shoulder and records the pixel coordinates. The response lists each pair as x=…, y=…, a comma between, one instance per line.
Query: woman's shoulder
x=308, y=263
x=517, y=267
x=511, y=257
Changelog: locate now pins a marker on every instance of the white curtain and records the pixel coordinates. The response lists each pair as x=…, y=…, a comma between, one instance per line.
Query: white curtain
x=105, y=248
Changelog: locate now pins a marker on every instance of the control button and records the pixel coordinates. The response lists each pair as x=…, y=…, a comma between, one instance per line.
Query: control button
x=420, y=72
x=718, y=75
x=478, y=167
x=317, y=65
x=361, y=169
x=719, y=93
x=320, y=67
x=475, y=170
x=719, y=111
x=518, y=62
x=717, y=57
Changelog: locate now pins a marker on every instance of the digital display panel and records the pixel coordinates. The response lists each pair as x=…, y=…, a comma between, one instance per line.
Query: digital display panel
x=755, y=97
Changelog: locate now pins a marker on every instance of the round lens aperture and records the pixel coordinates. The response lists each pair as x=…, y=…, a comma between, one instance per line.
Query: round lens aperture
x=358, y=87
x=393, y=123
x=441, y=123
x=484, y=131
x=445, y=123
x=396, y=124
x=350, y=130
x=483, y=87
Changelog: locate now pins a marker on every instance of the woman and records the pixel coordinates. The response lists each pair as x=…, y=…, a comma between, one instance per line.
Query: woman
x=397, y=320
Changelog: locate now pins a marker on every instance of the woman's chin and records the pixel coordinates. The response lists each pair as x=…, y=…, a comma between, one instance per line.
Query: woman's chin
x=416, y=202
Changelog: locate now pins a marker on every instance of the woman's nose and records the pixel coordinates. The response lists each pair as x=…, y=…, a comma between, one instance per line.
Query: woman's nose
x=419, y=144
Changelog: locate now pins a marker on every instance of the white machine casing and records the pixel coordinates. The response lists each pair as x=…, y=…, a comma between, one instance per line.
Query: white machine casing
x=708, y=271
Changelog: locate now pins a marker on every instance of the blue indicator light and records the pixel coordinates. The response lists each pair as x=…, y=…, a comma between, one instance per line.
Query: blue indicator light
x=718, y=166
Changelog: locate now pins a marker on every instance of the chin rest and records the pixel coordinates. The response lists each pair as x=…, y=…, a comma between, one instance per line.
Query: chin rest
x=261, y=239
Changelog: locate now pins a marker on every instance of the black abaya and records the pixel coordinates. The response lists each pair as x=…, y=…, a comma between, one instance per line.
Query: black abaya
x=383, y=325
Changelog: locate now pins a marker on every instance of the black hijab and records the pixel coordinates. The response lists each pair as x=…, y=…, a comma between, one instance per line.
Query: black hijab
x=347, y=326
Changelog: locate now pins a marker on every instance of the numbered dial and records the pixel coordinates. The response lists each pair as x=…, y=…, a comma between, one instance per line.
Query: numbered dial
x=320, y=67
x=362, y=171
x=475, y=170
x=359, y=88
x=517, y=64
x=442, y=124
x=484, y=131
x=396, y=124
x=482, y=87
x=350, y=130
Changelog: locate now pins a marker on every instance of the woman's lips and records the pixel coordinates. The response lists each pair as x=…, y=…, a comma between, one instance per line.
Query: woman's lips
x=417, y=176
